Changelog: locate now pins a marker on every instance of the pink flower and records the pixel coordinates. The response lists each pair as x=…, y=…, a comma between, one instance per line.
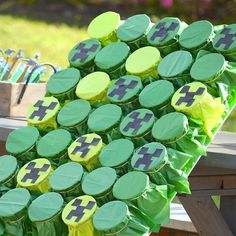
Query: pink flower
x=166, y=3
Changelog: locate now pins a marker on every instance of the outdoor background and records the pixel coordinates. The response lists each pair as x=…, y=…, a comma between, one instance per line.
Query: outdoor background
x=53, y=27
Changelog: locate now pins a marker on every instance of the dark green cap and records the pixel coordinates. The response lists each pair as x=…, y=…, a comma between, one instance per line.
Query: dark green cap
x=175, y=64
x=149, y=157
x=137, y=123
x=116, y=153
x=131, y=185
x=63, y=81
x=170, y=127
x=14, y=201
x=156, y=94
x=133, y=28
x=112, y=56
x=196, y=34
x=104, y=118
x=207, y=67
x=124, y=89
x=164, y=31
x=53, y=143
x=74, y=113
x=21, y=140
x=83, y=53
x=112, y=216
x=99, y=181
x=45, y=207
x=8, y=166
x=66, y=176
x=225, y=40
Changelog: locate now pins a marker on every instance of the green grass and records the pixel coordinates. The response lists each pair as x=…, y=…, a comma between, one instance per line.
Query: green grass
x=52, y=41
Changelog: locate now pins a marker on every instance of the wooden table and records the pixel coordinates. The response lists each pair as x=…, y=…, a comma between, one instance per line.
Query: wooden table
x=214, y=175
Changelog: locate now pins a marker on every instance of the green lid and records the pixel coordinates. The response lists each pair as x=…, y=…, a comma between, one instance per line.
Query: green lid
x=43, y=111
x=116, y=153
x=66, y=176
x=196, y=34
x=74, y=113
x=137, y=123
x=21, y=140
x=225, y=40
x=208, y=67
x=130, y=185
x=99, y=181
x=53, y=143
x=156, y=94
x=175, y=64
x=133, y=28
x=14, y=201
x=45, y=207
x=149, y=157
x=110, y=216
x=124, y=89
x=170, y=127
x=84, y=53
x=8, y=166
x=112, y=56
x=142, y=60
x=63, y=81
x=164, y=31
x=104, y=25
x=104, y=118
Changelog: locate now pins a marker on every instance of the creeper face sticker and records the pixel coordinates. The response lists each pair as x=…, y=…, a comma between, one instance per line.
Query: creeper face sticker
x=84, y=52
x=85, y=147
x=34, y=172
x=124, y=88
x=137, y=123
x=43, y=110
x=188, y=95
x=149, y=156
x=226, y=38
x=79, y=210
x=164, y=30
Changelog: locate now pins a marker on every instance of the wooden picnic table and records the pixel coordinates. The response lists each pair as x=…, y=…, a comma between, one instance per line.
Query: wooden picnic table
x=213, y=175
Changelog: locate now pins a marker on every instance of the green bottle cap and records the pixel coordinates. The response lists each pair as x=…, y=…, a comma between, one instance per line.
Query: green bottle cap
x=104, y=118
x=124, y=89
x=208, y=67
x=105, y=59
x=74, y=113
x=66, y=176
x=21, y=140
x=104, y=25
x=134, y=28
x=156, y=94
x=112, y=216
x=54, y=143
x=43, y=110
x=225, y=40
x=116, y=153
x=130, y=185
x=149, y=157
x=83, y=53
x=164, y=31
x=99, y=181
x=63, y=81
x=196, y=34
x=137, y=123
x=14, y=201
x=174, y=64
x=8, y=167
x=45, y=207
x=170, y=127
x=142, y=60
